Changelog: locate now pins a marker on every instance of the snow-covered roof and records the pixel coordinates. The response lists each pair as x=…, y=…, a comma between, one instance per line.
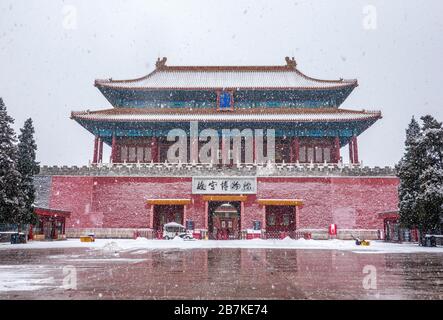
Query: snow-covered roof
x=226, y=77
x=174, y=224
x=239, y=115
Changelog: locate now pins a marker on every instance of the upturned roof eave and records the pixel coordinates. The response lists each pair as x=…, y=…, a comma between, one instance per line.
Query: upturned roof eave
x=83, y=117
x=110, y=86
x=161, y=67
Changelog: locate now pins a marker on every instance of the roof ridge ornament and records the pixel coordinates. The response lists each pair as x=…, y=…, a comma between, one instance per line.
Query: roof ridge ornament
x=290, y=62
x=160, y=64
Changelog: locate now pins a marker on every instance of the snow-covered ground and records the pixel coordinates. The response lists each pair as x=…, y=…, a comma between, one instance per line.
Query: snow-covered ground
x=21, y=272
x=25, y=277
x=142, y=243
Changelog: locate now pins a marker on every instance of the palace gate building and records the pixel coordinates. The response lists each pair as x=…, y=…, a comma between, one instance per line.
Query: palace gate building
x=309, y=182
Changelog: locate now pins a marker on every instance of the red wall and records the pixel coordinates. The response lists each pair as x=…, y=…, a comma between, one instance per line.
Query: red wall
x=350, y=202
x=120, y=202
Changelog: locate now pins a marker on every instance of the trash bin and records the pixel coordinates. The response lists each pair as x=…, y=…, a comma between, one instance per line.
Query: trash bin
x=256, y=225
x=14, y=238
x=21, y=238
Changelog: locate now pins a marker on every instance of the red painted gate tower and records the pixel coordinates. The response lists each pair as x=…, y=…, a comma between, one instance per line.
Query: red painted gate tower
x=305, y=186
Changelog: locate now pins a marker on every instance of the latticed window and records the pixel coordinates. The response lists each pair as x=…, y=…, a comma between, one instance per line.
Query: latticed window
x=147, y=157
x=271, y=220
x=124, y=154
x=140, y=154
x=318, y=154
x=286, y=220
x=310, y=157
x=327, y=155
x=302, y=155
x=132, y=154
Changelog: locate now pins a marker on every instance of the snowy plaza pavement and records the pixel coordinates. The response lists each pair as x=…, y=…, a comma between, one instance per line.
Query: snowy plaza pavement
x=243, y=269
x=142, y=243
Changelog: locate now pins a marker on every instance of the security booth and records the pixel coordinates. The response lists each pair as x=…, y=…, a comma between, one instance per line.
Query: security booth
x=51, y=224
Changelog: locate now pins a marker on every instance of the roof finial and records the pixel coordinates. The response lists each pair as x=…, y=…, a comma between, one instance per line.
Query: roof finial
x=291, y=63
x=161, y=63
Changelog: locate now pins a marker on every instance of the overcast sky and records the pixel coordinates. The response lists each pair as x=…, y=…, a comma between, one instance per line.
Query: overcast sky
x=52, y=50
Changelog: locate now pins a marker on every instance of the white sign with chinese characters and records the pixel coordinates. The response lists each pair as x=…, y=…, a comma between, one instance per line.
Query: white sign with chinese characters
x=224, y=185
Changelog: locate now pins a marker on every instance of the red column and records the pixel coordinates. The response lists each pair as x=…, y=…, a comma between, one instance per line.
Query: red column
x=337, y=149
x=355, y=149
x=206, y=215
x=154, y=150
x=254, y=152
x=351, y=152
x=30, y=234
x=100, y=150
x=242, y=214
x=297, y=149
x=297, y=217
x=94, y=157
x=151, y=216
x=114, y=149
x=263, y=217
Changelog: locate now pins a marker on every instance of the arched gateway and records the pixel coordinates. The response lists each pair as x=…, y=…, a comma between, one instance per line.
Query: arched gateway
x=224, y=220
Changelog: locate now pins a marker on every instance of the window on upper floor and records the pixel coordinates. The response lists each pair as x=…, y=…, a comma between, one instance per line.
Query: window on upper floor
x=310, y=154
x=316, y=154
x=327, y=155
x=302, y=157
x=147, y=155
x=132, y=154
x=124, y=154
x=271, y=220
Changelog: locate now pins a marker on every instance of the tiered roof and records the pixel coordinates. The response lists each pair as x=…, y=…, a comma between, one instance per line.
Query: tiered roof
x=240, y=115
x=285, y=77
x=260, y=94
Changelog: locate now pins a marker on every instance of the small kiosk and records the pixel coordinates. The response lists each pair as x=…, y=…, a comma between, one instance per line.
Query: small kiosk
x=50, y=226
x=392, y=229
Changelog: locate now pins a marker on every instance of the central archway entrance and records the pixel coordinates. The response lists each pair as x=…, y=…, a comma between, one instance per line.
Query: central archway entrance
x=224, y=220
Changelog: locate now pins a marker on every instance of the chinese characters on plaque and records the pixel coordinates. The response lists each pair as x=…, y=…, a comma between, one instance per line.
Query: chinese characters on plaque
x=224, y=185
